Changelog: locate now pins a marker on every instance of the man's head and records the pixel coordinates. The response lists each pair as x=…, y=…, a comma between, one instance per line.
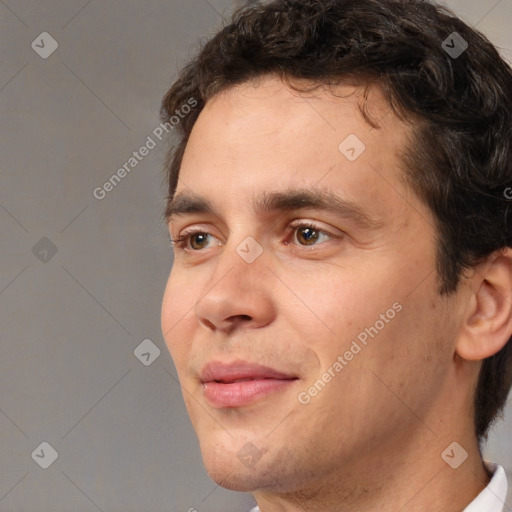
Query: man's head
x=381, y=104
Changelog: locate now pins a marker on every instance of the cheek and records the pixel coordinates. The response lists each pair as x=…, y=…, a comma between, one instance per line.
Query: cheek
x=408, y=357
x=335, y=306
x=177, y=307
x=372, y=317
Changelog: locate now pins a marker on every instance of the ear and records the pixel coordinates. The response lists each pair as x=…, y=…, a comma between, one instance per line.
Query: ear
x=487, y=324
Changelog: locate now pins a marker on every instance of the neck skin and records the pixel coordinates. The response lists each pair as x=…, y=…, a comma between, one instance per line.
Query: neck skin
x=407, y=474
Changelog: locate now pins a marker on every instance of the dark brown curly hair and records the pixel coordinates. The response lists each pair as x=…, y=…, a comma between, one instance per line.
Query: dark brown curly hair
x=461, y=106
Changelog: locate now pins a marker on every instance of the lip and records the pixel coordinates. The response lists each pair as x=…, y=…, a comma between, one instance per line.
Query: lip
x=240, y=383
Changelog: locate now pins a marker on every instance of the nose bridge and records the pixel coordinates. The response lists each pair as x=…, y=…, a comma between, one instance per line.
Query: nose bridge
x=242, y=250
x=241, y=259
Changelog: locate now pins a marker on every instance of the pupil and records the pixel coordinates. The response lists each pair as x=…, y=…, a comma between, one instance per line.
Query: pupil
x=196, y=236
x=308, y=234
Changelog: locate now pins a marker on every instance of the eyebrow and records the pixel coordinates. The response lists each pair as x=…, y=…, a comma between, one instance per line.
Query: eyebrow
x=188, y=203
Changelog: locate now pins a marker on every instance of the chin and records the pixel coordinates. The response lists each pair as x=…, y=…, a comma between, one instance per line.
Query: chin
x=232, y=475
x=226, y=469
x=234, y=482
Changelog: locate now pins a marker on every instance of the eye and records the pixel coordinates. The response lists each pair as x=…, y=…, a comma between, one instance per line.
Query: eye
x=190, y=236
x=307, y=234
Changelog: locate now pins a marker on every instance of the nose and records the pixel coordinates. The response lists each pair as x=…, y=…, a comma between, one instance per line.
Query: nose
x=238, y=293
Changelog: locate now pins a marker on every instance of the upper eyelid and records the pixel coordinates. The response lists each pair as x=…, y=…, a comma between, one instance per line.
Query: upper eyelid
x=294, y=224
x=196, y=227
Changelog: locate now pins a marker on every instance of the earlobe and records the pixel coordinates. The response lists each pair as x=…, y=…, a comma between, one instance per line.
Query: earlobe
x=487, y=325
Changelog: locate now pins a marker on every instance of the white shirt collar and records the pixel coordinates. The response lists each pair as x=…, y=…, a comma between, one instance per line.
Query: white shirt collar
x=491, y=499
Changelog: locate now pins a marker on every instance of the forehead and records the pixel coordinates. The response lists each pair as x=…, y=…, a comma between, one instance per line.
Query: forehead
x=264, y=134
x=267, y=100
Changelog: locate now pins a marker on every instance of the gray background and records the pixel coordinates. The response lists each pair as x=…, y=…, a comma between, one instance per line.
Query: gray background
x=71, y=321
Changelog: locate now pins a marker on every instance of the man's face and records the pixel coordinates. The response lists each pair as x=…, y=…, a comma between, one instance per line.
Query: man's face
x=339, y=307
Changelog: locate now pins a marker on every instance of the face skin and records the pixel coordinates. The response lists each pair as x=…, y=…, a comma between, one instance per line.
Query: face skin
x=372, y=437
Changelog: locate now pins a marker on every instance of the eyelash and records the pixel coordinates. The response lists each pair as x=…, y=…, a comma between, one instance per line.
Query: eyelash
x=183, y=239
